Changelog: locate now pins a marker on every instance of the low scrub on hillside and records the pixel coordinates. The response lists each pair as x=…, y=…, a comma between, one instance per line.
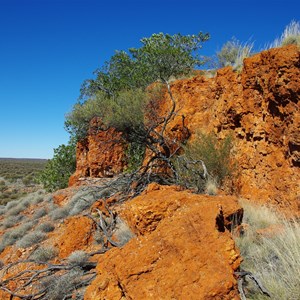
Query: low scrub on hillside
x=23, y=169
x=18, y=178
x=270, y=249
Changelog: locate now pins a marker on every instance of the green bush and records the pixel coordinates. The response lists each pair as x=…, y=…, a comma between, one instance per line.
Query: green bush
x=59, y=169
x=78, y=120
x=125, y=112
x=135, y=155
x=206, y=160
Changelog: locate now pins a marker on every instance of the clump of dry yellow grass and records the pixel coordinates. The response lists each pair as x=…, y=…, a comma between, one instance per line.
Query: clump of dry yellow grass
x=273, y=258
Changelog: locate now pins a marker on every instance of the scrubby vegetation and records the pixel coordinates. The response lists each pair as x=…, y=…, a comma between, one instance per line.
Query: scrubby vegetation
x=205, y=163
x=44, y=254
x=269, y=245
x=18, y=177
x=12, y=169
x=46, y=276
x=59, y=169
x=290, y=36
x=233, y=54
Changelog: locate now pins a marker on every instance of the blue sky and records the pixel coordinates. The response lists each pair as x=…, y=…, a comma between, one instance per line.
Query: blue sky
x=48, y=47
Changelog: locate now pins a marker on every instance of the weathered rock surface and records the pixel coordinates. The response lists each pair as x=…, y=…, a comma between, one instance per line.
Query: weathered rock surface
x=259, y=106
x=101, y=154
x=178, y=253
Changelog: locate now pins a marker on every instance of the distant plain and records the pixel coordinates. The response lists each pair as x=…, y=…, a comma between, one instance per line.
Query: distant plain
x=18, y=177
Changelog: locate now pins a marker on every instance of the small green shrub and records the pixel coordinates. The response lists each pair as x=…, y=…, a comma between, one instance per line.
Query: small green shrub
x=58, y=170
x=205, y=155
x=135, y=155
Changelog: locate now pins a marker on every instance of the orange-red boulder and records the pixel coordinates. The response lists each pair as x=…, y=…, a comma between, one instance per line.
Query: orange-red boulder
x=178, y=253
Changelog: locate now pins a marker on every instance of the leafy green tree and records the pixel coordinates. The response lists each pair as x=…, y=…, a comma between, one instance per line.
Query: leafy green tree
x=121, y=72
x=119, y=94
x=59, y=169
x=163, y=56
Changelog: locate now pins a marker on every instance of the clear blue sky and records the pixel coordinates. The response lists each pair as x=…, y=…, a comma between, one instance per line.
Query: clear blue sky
x=48, y=47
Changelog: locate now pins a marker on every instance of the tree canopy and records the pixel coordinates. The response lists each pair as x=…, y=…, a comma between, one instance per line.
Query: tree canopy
x=160, y=57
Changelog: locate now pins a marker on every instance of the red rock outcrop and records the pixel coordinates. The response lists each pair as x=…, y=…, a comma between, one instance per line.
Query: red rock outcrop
x=101, y=154
x=179, y=252
x=259, y=106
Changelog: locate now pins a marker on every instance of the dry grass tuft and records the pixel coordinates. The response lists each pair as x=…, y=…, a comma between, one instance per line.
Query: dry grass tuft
x=273, y=258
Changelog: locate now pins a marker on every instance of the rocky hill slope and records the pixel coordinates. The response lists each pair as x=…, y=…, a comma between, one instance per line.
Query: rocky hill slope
x=87, y=242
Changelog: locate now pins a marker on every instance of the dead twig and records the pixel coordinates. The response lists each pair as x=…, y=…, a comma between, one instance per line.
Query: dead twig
x=242, y=276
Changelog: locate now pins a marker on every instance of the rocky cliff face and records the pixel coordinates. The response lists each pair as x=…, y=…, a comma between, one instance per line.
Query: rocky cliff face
x=259, y=106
